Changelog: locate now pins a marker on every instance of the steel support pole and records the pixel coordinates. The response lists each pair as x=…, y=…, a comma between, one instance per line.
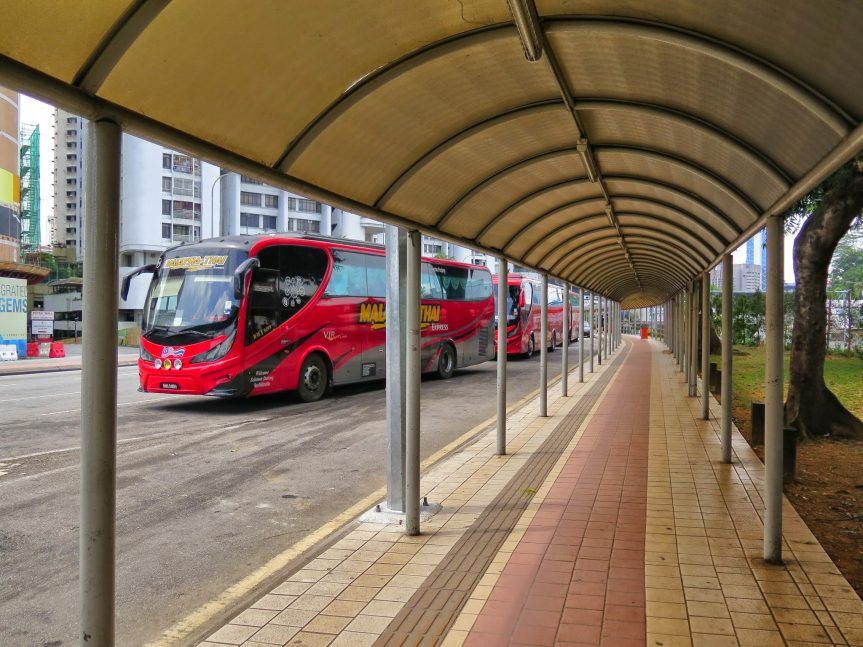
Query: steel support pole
x=502, y=314
x=693, y=341
x=581, y=334
x=684, y=339
x=564, y=367
x=727, y=314
x=599, y=322
x=705, y=346
x=592, y=330
x=396, y=243
x=543, y=349
x=99, y=385
x=609, y=322
x=413, y=369
x=687, y=308
x=773, y=410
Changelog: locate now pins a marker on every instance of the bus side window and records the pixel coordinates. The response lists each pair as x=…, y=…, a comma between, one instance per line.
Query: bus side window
x=376, y=276
x=430, y=284
x=348, y=278
x=479, y=285
x=301, y=272
x=454, y=280
x=537, y=295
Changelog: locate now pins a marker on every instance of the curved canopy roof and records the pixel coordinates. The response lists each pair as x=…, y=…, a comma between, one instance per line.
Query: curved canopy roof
x=647, y=139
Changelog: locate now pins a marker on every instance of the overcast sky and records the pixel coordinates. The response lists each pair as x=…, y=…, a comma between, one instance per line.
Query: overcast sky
x=36, y=112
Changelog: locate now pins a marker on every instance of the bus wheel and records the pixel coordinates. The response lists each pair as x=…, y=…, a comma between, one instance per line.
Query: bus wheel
x=446, y=362
x=553, y=341
x=531, y=348
x=313, y=379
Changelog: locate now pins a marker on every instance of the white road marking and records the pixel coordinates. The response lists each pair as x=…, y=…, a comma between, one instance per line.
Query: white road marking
x=121, y=404
x=46, y=395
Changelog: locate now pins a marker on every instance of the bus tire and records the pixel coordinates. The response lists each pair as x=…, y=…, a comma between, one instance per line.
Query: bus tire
x=531, y=348
x=553, y=341
x=314, y=378
x=446, y=362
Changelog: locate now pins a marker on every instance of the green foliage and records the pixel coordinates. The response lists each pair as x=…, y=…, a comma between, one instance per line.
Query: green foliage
x=846, y=268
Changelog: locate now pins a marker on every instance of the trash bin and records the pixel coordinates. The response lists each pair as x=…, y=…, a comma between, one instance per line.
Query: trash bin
x=644, y=332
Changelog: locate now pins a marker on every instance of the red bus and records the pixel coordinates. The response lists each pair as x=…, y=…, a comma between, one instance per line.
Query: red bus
x=523, y=305
x=248, y=315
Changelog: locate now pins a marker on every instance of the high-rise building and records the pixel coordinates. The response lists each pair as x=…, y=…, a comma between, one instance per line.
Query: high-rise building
x=163, y=201
x=251, y=207
x=747, y=277
x=10, y=219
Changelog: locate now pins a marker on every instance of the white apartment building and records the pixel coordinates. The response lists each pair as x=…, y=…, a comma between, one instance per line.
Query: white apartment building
x=251, y=207
x=168, y=198
x=163, y=202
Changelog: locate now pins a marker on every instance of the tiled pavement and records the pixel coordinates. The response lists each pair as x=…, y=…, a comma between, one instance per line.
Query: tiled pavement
x=610, y=522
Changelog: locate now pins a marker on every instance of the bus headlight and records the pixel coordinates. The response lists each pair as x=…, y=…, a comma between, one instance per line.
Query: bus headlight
x=216, y=352
x=147, y=357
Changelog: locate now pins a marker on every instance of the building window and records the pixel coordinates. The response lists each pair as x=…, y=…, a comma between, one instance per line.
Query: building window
x=71, y=120
x=182, y=163
x=166, y=207
x=183, y=186
x=71, y=180
x=71, y=169
x=166, y=185
x=270, y=222
x=166, y=231
x=271, y=201
x=308, y=206
x=248, y=199
x=250, y=220
x=166, y=161
x=431, y=249
x=71, y=144
x=71, y=157
x=197, y=188
x=182, y=209
x=245, y=179
x=307, y=226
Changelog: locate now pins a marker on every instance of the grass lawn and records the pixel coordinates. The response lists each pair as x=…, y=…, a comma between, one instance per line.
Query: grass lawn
x=843, y=375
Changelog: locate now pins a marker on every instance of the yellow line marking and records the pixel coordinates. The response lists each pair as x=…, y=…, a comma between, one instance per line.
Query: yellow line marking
x=205, y=614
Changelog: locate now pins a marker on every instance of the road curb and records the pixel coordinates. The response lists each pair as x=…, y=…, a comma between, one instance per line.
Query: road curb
x=55, y=369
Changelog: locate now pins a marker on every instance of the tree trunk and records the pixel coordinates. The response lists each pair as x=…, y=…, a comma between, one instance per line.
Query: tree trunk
x=811, y=407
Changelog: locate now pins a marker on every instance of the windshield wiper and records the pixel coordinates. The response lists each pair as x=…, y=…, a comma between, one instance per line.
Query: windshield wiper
x=189, y=331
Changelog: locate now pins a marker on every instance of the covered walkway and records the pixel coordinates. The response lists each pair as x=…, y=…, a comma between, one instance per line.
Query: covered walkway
x=612, y=521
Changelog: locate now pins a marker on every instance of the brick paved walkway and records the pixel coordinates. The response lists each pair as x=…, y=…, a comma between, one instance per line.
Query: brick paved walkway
x=611, y=522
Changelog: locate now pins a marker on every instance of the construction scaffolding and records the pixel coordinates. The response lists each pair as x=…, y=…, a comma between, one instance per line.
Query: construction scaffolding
x=30, y=200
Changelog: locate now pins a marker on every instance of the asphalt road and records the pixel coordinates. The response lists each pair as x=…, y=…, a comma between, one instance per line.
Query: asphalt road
x=207, y=489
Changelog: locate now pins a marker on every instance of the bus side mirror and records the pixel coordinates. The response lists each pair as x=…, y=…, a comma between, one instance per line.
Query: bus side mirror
x=240, y=275
x=127, y=280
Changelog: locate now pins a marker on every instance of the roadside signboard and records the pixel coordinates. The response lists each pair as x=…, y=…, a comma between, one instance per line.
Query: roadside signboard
x=13, y=310
x=42, y=323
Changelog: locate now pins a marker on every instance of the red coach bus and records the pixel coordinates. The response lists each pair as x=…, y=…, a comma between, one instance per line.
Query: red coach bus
x=523, y=305
x=248, y=315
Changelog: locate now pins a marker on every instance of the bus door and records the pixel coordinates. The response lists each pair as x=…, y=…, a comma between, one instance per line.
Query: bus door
x=350, y=319
x=432, y=310
x=374, y=349
x=272, y=332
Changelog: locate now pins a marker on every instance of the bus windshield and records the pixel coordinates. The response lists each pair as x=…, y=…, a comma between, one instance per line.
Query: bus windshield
x=191, y=298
